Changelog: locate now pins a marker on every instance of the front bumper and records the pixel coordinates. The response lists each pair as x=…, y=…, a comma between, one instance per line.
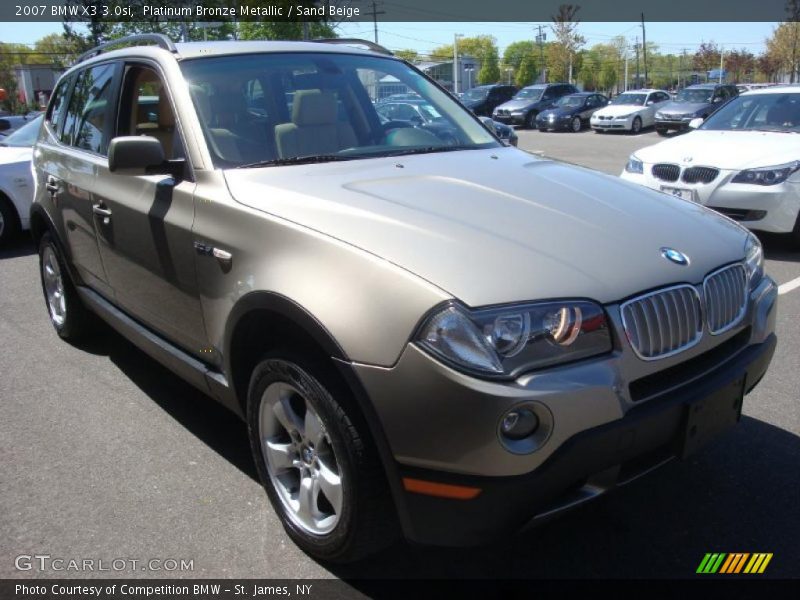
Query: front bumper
x=510, y=119
x=773, y=209
x=612, y=124
x=605, y=420
x=554, y=125
x=591, y=463
x=681, y=124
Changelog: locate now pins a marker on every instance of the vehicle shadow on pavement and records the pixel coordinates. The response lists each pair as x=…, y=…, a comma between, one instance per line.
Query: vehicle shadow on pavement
x=22, y=246
x=739, y=495
x=209, y=421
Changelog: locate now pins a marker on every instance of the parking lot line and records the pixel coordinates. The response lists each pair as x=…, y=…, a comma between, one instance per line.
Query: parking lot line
x=787, y=287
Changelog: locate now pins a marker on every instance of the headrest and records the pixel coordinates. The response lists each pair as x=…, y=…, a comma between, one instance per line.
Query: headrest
x=313, y=107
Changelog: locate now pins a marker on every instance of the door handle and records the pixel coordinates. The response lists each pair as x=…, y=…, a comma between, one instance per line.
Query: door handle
x=52, y=185
x=101, y=211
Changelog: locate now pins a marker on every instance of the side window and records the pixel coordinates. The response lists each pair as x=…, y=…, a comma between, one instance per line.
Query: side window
x=57, y=108
x=145, y=109
x=91, y=108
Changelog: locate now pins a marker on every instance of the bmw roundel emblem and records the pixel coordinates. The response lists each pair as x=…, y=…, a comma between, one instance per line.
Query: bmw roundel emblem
x=672, y=255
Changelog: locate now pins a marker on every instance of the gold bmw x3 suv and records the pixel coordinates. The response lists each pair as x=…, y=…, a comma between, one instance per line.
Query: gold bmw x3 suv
x=428, y=332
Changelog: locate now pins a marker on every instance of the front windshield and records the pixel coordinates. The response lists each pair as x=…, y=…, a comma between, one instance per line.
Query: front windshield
x=529, y=93
x=631, y=99
x=476, y=94
x=695, y=96
x=758, y=112
x=570, y=101
x=275, y=108
x=26, y=135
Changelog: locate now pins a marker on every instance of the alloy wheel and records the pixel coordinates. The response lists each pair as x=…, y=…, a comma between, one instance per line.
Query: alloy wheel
x=54, y=287
x=300, y=460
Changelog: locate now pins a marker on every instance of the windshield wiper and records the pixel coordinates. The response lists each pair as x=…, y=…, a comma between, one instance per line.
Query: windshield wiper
x=298, y=160
x=429, y=149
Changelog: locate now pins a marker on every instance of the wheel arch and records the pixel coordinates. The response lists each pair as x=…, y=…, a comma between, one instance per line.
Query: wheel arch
x=261, y=321
x=6, y=199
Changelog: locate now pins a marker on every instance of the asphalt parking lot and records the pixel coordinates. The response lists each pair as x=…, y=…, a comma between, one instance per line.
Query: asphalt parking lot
x=105, y=454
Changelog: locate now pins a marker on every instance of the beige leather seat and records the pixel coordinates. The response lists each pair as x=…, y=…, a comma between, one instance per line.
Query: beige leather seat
x=315, y=128
x=226, y=144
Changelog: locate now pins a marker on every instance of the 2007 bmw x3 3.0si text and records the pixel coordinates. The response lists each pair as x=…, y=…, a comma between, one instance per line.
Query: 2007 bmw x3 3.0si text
x=428, y=333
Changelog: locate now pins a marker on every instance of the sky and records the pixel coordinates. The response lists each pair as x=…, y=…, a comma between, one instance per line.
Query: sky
x=424, y=37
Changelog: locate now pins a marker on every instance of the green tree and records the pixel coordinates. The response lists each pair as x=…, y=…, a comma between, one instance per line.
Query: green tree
x=408, y=54
x=57, y=49
x=490, y=66
x=568, y=40
x=273, y=30
x=526, y=72
x=515, y=52
x=608, y=77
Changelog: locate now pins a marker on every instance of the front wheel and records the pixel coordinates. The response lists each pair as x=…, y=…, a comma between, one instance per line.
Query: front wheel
x=636, y=127
x=320, y=470
x=576, y=124
x=662, y=132
x=530, y=120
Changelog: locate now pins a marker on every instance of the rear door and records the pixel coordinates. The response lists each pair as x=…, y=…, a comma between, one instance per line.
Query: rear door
x=73, y=163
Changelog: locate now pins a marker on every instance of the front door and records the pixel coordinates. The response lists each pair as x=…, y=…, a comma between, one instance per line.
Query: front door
x=146, y=235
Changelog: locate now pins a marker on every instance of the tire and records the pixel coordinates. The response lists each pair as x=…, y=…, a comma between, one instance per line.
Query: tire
x=577, y=125
x=307, y=435
x=599, y=131
x=662, y=132
x=636, y=126
x=69, y=316
x=795, y=235
x=530, y=120
x=9, y=222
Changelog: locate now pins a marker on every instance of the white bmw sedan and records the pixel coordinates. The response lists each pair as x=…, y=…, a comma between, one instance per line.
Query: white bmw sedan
x=630, y=111
x=16, y=181
x=743, y=161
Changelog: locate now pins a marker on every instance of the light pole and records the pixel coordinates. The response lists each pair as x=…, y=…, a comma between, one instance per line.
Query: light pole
x=455, y=62
x=469, y=71
x=541, y=37
x=508, y=74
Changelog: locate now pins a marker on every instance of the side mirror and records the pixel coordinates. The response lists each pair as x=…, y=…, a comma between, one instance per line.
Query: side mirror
x=488, y=123
x=650, y=102
x=695, y=123
x=137, y=155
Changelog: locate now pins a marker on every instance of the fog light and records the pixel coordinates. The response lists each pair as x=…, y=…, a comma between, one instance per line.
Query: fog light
x=519, y=424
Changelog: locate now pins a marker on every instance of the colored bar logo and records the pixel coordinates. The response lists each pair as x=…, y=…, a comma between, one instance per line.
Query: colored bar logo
x=734, y=563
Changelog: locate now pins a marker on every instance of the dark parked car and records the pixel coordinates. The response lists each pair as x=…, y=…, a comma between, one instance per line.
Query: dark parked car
x=526, y=105
x=695, y=101
x=10, y=123
x=417, y=113
x=503, y=131
x=483, y=99
x=571, y=112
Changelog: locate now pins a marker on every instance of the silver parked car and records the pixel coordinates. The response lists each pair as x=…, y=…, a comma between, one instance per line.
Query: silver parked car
x=446, y=340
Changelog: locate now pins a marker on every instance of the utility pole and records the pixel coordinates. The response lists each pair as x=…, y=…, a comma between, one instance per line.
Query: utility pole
x=625, y=87
x=721, y=63
x=644, y=50
x=636, y=47
x=455, y=62
x=682, y=73
x=375, y=12
x=540, y=39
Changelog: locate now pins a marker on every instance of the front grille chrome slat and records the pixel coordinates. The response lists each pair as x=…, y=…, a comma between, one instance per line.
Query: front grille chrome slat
x=725, y=294
x=672, y=322
x=666, y=171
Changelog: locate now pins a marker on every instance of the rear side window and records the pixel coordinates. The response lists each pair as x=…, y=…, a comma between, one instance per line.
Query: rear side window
x=91, y=110
x=55, y=112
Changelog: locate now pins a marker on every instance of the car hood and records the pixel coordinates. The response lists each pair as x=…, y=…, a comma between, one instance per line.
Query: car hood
x=14, y=154
x=725, y=149
x=499, y=225
x=561, y=111
x=617, y=110
x=683, y=108
x=518, y=104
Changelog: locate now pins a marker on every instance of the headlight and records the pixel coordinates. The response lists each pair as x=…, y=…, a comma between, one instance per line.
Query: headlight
x=753, y=260
x=623, y=116
x=507, y=341
x=767, y=175
x=660, y=115
x=634, y=165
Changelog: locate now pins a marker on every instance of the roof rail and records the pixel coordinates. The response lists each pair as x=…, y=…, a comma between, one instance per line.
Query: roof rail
x=156, y=38
x=355, y=41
